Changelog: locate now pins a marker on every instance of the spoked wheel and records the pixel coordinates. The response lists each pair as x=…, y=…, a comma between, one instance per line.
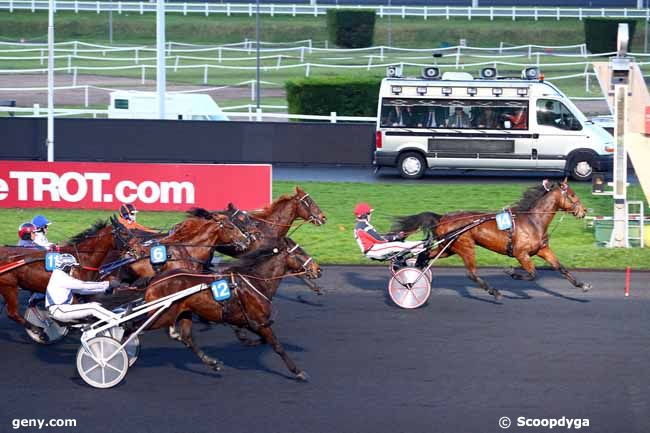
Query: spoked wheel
x=106, y=366
x=428, y=273
x=41, y=318
x=132, y=349
x=409, y=288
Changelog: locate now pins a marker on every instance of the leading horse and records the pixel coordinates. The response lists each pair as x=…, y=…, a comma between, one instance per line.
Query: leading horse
x=527, y=237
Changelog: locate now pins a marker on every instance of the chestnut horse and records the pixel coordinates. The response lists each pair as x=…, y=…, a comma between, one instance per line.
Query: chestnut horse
x=190, y=243
x=275, y=220
x=90, y=247
x=528, y=237
x=254, y=280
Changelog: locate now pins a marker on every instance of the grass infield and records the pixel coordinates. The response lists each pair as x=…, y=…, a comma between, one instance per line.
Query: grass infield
x=333, y=243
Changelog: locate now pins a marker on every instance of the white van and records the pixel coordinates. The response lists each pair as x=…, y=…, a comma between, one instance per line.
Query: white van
x=457, y=121
x=179, y=106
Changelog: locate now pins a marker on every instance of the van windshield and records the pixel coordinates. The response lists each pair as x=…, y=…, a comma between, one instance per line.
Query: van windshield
x=454, y=113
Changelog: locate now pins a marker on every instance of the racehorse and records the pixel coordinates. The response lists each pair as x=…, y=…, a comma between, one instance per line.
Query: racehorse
x=528, y=237
x=190, y=243
x=25, y=267
x=253, y=280
x=275, y=220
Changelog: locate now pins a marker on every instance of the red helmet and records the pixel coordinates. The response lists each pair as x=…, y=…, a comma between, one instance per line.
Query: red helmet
x=362, y=209
x=25, y=231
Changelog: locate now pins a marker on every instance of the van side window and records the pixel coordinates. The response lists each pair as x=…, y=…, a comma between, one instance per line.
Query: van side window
x=555, y=114
x=454, y=113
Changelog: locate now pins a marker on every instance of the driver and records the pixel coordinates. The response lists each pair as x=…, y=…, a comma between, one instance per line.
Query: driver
x=61, y=288
x=27, y=234
x=127, y=218
x=42, y=225
x=374, y=245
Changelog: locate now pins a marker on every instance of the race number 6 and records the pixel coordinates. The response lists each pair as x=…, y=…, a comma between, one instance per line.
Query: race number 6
x=158, y=254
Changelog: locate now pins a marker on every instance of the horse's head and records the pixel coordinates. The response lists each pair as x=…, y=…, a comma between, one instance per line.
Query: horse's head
x=569, y=201
x=298, y=260
x=243, y=221
x=308, y=209
x=229, y=233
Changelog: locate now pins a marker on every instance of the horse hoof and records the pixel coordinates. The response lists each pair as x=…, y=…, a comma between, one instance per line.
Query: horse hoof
x=302, y=376
x=585, y=287
x=497, y=295
x=214, y=364
x=509, y=271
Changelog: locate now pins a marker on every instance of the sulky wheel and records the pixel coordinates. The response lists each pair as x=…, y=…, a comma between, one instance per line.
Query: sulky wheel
x=411, y=262
x=132, y=349
x=41, y=318
x=409, y=288
x=106, y=366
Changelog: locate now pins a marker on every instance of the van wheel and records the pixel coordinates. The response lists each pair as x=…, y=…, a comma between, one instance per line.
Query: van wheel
x=411, y=165
x=582, y=168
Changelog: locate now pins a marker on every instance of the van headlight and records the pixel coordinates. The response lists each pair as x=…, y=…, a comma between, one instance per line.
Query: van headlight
x=609, y=147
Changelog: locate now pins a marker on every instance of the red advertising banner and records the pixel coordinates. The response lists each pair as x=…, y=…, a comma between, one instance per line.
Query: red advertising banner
x=165, y=187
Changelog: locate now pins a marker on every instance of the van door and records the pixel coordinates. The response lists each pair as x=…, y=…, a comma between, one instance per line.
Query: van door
x=559, y=132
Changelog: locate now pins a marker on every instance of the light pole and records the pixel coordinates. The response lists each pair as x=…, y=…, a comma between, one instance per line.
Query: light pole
x=50, y=82
x=160, y=63
x=645, y=37
x=390, y=26
x=257, y=53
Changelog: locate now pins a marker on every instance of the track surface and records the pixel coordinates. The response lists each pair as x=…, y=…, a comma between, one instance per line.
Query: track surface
x=457, y=364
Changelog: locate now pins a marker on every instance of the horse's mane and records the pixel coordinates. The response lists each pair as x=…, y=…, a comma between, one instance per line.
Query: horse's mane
x=268, y=209
x=245, y=263
x=199, y=212
x=530, y=197
x=96, y=227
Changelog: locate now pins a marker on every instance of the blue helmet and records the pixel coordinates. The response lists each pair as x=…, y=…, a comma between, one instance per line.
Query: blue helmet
x=40, y=221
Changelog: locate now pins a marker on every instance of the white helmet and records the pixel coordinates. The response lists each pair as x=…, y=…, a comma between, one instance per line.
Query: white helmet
x=65, y=261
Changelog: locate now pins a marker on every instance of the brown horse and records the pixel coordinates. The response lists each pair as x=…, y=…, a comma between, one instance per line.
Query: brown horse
x=254, y=280
x=275, y=220
x=190, y=244
x=528, y=237
x=90, y=247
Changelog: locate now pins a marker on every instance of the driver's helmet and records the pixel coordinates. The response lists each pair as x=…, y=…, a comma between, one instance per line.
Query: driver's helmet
x=128, y=211
x=25, y=231
x=65, y=262
x=40, y=222
x=362, y=210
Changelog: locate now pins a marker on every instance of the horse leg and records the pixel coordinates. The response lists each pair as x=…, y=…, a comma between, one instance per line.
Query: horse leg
x=551, y=258
x=267, y=334
x=184, y=323
x=241, y=336
x=528, y=266
x=466, y=251
x=11, y=300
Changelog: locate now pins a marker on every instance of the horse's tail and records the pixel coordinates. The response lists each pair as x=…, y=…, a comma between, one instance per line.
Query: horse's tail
x=427, y=221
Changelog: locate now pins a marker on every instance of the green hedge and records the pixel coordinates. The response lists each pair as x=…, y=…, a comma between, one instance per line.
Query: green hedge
x=351, y=28
x=346, y=95
x=601, y=33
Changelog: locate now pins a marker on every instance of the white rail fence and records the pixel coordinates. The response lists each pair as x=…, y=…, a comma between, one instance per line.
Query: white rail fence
x=252, y=114
x=425, y=12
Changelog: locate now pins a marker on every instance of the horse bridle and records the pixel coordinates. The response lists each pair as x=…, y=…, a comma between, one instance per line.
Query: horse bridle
x=307, y=204
x=307, y=262
x=565, y=197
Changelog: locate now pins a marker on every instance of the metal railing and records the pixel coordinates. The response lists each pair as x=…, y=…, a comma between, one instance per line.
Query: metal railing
x=425, y=12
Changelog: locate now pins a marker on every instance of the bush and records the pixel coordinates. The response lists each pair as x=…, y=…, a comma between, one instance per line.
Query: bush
x=351, y=28
x=601, y=33
x=347, y=96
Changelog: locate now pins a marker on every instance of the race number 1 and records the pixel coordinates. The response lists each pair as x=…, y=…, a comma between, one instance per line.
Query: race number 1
x=220, y=290
x=158, y=254
x=50, y=259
